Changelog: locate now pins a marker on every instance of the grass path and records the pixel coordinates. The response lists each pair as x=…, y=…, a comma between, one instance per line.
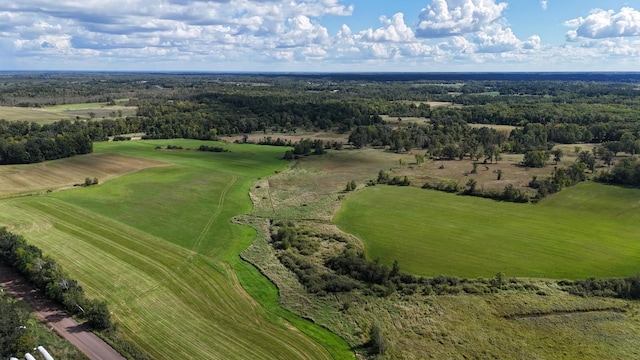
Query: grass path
x=215, y=215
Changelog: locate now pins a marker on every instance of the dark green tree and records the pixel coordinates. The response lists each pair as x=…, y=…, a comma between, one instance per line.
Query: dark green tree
x=557, y=155
x=14, y=338
x=535, y=158
x=588, y=159
x=378, y=342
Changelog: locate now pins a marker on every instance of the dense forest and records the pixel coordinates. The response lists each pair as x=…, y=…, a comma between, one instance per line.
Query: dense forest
x=24, y=142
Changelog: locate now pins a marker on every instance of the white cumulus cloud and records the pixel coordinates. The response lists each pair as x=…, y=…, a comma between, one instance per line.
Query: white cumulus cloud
x=457, y=17
x=497, y=40
x=395, y=30
x=600, y=24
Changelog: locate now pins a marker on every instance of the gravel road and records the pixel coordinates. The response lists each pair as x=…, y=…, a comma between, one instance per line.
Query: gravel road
x=51, y=313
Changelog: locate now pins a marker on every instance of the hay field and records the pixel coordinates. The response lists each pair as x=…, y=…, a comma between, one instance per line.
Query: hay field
x=293, y=137
x=55, y=113
x=40, y=116
x=584, y=231
x=159, y=245
x=99, y=110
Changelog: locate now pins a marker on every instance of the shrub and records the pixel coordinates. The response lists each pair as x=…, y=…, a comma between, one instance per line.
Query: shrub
x=98, y=315
x=378, y=342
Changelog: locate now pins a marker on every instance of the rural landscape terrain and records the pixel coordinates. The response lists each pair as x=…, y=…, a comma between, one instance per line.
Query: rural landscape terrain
x=325, y=216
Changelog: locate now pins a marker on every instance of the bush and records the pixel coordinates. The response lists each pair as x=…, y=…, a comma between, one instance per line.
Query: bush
x=450, y=186
x=98, y=315
x=212, y=148
x=378, y=342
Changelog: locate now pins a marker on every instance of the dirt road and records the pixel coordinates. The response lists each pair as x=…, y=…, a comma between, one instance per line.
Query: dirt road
x=77, y=334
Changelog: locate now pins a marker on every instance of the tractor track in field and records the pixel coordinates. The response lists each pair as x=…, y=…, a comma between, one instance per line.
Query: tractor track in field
x=198, y=241
x=207, y=227
x=51, y=314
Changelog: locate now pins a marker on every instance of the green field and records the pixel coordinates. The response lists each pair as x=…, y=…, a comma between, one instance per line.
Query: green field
x=589, y=230
x=158, y=244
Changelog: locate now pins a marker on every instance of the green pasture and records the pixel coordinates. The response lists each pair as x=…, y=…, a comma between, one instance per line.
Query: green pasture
x=584, y=231
x=160, y=247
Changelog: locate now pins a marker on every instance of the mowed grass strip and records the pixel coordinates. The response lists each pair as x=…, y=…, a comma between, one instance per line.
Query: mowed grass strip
x=165, y=236
x=584, y=231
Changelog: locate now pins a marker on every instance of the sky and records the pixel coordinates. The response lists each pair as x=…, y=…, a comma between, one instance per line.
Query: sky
x=320, y=35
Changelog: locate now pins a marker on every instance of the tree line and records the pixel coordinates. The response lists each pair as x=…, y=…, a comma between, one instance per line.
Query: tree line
x=625, y=172
x=47, y=276
x=25, y=143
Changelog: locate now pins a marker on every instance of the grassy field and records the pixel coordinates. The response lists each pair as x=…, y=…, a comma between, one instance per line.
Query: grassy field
x=156, y=241
x=55, y=113
x=40, y=116
x=584, y=231
x=159, y=246
x=504, y=128
x=537, y=322
x=99, y=110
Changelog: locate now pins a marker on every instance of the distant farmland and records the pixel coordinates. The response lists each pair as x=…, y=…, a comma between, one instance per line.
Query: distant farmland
x=587, y=230
x=51, y=114
x=40, y=116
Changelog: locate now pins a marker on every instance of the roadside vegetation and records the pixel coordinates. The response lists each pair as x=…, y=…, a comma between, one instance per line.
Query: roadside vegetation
x=21, y=331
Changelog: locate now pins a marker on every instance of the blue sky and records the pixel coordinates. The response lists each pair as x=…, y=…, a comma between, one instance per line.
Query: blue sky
x=320, y=35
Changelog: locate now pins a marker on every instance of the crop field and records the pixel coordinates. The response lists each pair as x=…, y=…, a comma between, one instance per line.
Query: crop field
x=40, y=116
x=51, y=114
x=158, y=244
x=584, y=231
x=397, y=120
x=295, y=137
